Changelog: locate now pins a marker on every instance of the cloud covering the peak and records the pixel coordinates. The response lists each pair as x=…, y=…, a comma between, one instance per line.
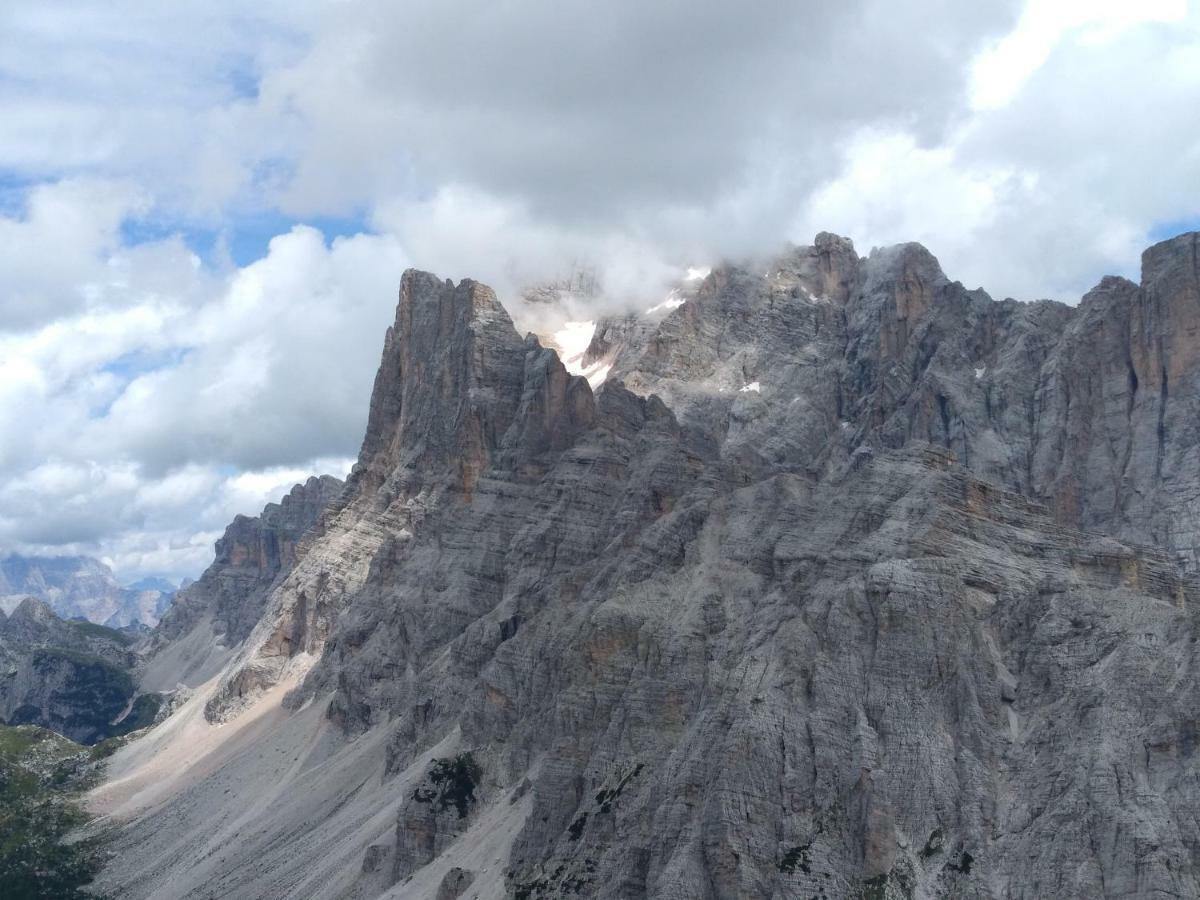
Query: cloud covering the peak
x=205, y=211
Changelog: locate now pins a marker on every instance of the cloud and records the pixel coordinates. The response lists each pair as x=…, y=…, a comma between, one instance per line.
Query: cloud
x=56, y=248
x=999, y=73
x=1061, y=174
x=148, y=417
x=279, y=366
x=614, y=113
x=132, y=90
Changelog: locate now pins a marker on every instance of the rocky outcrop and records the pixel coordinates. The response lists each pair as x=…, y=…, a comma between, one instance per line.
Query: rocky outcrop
x=848, y=582
x=452, y=379
x=250, y=556
x=215, y=614
x=446, y=389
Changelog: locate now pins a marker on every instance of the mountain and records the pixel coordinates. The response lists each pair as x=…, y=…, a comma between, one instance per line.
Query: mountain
x=72, y=677
x=83, y=587
x=847, y=581
x=153, y=583
x=215, y=614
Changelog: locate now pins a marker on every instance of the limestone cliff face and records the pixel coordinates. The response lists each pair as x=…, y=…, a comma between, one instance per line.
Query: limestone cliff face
x=444, y=394
x=1087, y=408
x=848, y=582
x=249, y=557
x=212, y=616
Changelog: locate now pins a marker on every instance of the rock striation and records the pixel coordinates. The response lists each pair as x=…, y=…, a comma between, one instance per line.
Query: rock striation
x=215, y=614
x=1083, y=408
x=848, y=582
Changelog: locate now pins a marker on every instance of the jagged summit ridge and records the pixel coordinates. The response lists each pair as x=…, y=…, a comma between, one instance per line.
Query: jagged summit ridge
x=905, y=618
x=443, y=391
x=456, y=386
x=1038, y=397
x=215, y=614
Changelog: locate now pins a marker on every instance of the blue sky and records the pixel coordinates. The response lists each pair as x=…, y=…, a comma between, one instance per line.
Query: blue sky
x=241, y=239
x=1164, y=230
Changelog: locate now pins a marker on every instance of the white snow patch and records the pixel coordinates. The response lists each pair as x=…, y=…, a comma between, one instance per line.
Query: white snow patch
x=597, y=374
x=572, y=341
x=752, y=386
x=696, y=274
x=980, y=372
x=673, y=301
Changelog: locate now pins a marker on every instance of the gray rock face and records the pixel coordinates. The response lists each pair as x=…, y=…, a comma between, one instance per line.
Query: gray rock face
x=217, y=612
x=849, y=582
x=1087, y=409
x=249, y=557
x=454, y=884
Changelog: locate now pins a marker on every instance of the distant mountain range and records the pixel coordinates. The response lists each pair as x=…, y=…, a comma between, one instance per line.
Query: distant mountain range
x=85, y=588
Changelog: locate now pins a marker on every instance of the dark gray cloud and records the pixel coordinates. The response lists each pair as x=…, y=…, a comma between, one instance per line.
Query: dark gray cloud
x=613, y=112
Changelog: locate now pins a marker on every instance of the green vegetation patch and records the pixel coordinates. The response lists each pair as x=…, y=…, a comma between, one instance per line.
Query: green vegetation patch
x=576, y=829
x=934, y=845
x=797, y=858
x=41, y=774
x=894, y=885
x=92, y=694
x=606, y=798
x=91, y=629
x=454, y=782
x=963, y=866
x=99, y=672
x=144, y=712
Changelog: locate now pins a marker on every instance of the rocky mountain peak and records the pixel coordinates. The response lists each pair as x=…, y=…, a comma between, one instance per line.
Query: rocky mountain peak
x=32, y=613
x=81, y=587
x=73, y=677
x=1175, y=260
x=447, y=386
x=555, y=406
x=835, y=265
x=900, y=285
x=1166, y=323
x=265, y=543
